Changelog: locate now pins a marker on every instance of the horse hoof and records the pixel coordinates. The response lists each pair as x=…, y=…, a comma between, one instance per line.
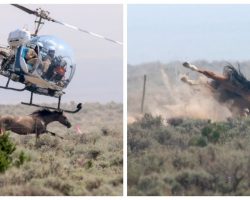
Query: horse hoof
x=186, y=64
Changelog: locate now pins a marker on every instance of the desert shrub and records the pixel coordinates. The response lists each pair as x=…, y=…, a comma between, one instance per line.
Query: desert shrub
x=149, y=121
x=28, y=190
x=191, y=126
x=137, y=143
x=93, y=154
x=200, y=179
x=116, y=161
x=199, y=141
x=175, y=121
x=105, y=131
x=138, y=138
x=88, y=164
x=5, y=162
x=46, y=142
x=206, y=131
x=183, y=160
x=7, y=147
x=59, y=185
x=152, y=162
x=214, y=131
x=152, y=185
x=117, y=181
x=93, y=184
x=162, y=135
x=21, y=159
x=134, y=172
x=105, y=190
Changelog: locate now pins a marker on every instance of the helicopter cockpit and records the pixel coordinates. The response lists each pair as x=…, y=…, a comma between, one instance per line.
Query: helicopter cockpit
x=48, y=58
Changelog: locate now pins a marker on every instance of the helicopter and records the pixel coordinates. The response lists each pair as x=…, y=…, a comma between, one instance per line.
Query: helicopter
x=44, y=64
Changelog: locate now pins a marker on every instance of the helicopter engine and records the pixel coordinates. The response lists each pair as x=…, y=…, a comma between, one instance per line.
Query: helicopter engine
x=18, y=37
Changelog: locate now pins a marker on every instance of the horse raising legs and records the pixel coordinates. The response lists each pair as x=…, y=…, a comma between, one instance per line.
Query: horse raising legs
x=35, y=123
x=231, y=87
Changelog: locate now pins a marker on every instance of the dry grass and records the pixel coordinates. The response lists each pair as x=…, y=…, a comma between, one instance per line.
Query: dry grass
x=195, y=157
x=202, y=151
x=86, y=163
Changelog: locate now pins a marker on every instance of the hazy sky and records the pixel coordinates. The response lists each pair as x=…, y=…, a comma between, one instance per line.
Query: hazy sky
x=188, y=32
x=99, y=69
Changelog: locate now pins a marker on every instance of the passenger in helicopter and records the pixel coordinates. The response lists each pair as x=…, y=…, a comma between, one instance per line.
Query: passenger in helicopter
x=51, y=70
x=59, y=71
x=30, y=56
x=40, y=51
x=47, y=63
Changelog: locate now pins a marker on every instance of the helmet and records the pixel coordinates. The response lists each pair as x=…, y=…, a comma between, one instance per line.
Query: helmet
x=51, y=51
x=40, y=45
x=52, y=48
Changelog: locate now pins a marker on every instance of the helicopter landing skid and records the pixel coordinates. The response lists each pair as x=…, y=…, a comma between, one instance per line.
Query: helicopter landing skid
x=78, y=107
x=6, y=87
x=15, y=89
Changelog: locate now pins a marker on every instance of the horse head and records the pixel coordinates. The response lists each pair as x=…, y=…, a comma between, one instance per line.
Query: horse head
x=61, y=118
x=49, y=116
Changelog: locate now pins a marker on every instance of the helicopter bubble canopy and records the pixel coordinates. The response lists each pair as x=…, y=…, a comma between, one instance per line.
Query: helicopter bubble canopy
x=52, y=60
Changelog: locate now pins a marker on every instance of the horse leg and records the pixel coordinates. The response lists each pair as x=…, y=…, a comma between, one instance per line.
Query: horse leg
x=207, y=73
x=2, y=130
x=37, y=136
x=190, y=82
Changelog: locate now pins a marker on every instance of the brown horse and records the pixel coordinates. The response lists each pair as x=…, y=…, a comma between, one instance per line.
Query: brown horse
x=35, y=123
x=231, y=85
x=231, y=80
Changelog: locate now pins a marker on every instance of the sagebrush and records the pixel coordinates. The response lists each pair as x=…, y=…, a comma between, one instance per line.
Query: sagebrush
x=195, y=157
x=88, y=161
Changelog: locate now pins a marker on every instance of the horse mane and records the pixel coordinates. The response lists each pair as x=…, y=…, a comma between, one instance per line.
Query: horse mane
x=41, y=113
x=236, y=77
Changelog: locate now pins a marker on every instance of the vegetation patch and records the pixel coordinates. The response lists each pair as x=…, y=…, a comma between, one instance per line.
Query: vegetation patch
x=191, y=157
x=88, y=161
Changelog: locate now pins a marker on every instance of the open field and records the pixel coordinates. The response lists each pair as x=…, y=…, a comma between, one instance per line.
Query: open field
x=88, y=161
x=189, y=143
x=191, y=157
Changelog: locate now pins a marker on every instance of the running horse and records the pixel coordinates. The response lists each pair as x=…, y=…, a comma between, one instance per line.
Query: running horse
x=35, y=123
x=232, y=84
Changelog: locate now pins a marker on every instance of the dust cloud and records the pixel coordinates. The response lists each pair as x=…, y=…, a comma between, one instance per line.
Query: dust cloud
x=179, y=99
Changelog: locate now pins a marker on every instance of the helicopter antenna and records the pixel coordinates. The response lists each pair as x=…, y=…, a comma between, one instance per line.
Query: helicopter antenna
x=44, y=15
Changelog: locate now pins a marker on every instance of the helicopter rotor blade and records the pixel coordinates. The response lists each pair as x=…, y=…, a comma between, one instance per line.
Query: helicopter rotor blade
x=46, y=17
x=88, y=32
x=25, y=9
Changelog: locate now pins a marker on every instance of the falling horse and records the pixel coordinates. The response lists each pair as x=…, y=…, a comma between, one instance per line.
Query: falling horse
x=232, y=84
x=35, y=123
